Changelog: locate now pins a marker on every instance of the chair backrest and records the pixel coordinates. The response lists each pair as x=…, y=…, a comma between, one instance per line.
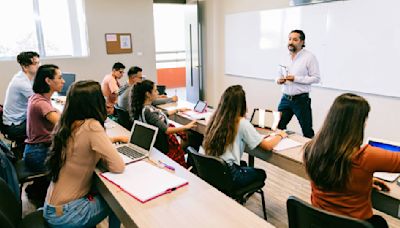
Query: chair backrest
x=1, y=119
x=161, y=89
x=10, y=208
x=123, y=118
x=303, y=215
x=213, y=170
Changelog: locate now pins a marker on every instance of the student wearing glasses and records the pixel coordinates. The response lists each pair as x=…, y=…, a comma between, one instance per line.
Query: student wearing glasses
x=111, y=87
x=340, y=168
x=134, y=76
x=79, y=143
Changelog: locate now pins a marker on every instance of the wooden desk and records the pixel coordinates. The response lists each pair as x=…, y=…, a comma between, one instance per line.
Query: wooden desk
x=182, y=119
x=195, y=205
x=292, y=160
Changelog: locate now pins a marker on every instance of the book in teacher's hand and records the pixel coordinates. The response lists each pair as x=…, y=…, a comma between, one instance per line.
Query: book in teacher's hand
x=144, y=181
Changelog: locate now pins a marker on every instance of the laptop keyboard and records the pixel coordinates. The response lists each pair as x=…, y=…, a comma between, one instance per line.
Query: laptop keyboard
x=129, y=152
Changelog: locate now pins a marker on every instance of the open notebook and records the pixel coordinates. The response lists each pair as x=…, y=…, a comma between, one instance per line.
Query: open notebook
x=144, y=181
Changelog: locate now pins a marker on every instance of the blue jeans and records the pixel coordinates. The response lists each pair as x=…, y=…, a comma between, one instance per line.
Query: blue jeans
x=83, y=212
x=35, y=156
x=245, y=175
x=299, y=105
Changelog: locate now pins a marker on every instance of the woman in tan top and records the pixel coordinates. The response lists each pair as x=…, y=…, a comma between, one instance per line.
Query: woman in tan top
x=78, y=144
x=340, y=169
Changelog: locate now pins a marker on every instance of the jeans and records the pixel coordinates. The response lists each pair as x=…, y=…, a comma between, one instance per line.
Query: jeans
x=244, y=175
x=35, y=156
x=16, y=132
x=299, y=105
x=83, y=212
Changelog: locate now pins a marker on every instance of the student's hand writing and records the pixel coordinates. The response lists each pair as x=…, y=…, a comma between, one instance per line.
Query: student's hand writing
x=191, y=125
x=283, y=134
x=290, y=78
x=174, y=98
x=281, y=81
x=380, y=185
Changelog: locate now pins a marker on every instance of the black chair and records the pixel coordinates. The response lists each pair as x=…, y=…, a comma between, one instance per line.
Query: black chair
x=11, y=211
x=303, y=215
x=161, y=89
x=123, y=118
x=25, y=175
x=216, y=172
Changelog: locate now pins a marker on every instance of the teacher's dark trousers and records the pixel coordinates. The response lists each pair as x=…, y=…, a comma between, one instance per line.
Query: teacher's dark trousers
x=300, y=106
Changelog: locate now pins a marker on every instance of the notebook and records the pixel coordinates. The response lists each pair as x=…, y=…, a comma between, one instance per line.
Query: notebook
x=140, y=144
x=386, y=145
x=199, y=111
x=144, y=181
x=264, y=118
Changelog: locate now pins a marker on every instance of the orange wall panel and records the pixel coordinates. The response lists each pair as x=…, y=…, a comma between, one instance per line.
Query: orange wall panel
x=172, y=77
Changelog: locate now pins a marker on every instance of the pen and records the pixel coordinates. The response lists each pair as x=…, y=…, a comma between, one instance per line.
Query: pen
x=166, y=166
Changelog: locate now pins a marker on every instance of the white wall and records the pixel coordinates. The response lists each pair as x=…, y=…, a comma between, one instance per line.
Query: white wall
x=103, y=16
x=383, y=120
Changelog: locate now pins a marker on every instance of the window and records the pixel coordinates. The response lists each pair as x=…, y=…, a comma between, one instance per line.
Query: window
x=52, y=28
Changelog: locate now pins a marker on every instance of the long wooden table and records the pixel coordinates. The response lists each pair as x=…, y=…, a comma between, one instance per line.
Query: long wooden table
x=195, y=205
x=292, y=160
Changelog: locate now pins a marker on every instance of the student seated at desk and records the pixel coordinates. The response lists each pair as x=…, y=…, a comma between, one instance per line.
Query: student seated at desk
x=135, y=76
x=79, y=142
x=41, y=119
x=142, y=96
x=340, y=169
x=228, y=131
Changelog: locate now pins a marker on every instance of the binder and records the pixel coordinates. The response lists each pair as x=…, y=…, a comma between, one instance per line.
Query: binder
x=144, y=181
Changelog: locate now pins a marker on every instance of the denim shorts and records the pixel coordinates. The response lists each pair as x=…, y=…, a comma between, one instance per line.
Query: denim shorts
x=83, y=212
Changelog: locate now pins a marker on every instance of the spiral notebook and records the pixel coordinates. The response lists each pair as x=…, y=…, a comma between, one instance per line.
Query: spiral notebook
x=144, y=181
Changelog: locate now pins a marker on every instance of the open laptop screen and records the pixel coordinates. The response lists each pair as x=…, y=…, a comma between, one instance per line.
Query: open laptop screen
x=69, y=78
x=142, y=136
x=384, y=145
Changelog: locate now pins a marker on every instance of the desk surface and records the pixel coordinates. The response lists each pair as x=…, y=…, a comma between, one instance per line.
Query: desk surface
x=195, y=205
x=292, y=160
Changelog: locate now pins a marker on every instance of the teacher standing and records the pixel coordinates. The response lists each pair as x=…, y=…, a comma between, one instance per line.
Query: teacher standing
x=296, y=76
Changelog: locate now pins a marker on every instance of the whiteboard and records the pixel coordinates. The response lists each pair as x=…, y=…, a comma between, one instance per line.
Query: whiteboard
x=356, y=42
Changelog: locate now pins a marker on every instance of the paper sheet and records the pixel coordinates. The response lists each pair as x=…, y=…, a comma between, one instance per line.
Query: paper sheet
x=287, y=143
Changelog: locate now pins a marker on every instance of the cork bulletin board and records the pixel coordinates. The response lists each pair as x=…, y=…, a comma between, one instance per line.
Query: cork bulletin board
x=118, y=43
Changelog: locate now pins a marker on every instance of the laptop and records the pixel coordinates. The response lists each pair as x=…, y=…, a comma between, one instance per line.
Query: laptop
x=199, y=111
x=386, y=145
x=140, y=144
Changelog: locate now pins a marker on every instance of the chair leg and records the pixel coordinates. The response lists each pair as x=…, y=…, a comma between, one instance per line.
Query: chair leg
x=263, y=203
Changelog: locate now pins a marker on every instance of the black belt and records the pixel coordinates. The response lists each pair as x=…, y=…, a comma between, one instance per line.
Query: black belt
x=294, y=97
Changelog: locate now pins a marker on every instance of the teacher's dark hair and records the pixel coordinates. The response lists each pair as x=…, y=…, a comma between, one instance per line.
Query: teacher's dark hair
x=328, y=156
x=302, y=35
x=84, y=101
